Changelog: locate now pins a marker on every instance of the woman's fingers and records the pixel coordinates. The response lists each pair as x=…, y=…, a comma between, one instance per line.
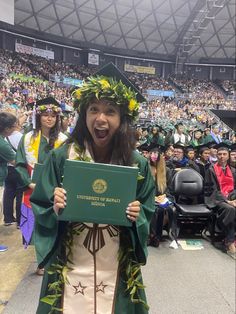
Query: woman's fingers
x=59, y=199
x=59, y=192
x=133, y=210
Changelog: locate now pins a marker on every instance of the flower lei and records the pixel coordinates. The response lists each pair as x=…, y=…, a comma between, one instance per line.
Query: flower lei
x=48, y=109
x=102, y=87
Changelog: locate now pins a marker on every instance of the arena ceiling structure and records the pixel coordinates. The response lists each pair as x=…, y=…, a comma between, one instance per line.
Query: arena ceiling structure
x=189, y=29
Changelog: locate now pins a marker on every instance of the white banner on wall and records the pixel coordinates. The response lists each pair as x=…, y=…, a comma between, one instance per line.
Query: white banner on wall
x=48, y=54
x=139, y=69
x=93, y=58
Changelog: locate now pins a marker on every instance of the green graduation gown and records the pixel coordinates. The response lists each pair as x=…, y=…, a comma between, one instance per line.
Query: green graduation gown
x=6, y=154
x=49, y=235
x=158, y=140
x=31, y=150
x=22, y=162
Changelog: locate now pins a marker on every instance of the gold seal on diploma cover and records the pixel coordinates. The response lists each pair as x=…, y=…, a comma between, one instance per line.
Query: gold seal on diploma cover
x=99, y=186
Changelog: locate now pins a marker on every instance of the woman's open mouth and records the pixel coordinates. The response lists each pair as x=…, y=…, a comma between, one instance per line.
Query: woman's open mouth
x=101, y=133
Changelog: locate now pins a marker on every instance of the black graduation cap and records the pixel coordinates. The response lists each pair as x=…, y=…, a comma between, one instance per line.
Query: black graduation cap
x=222, y=146
x=154, y=146
x=211, y=144
x=233, y=147
x=178, y=124
x=47, y=101
x=197, y=130
x=201, y=148
x=159, y=127
x=179, y=145
x=110, y=70
x=189, y=148
x=143, y=147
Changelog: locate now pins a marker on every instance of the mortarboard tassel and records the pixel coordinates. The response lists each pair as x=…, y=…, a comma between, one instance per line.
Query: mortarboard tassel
x=34, y=117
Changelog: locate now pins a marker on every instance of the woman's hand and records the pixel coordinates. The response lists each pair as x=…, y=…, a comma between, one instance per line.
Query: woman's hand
x=160, y=198
x=232, y=203
x=59, y=199
x=32, y=186
x=133, y=210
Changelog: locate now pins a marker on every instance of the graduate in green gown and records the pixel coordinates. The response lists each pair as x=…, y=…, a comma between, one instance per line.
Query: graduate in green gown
x=34, y=148
x=95, y=268
x=197, y=138
x=156, y=136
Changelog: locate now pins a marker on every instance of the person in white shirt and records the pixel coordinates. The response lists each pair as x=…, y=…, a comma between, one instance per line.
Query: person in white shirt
x=179, y=136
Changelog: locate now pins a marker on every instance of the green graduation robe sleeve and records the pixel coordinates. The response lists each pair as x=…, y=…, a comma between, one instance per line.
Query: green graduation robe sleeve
x=48, y=229
x=46, y=223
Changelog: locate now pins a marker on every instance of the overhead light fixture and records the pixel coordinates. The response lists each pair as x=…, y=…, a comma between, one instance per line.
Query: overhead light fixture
x=218, y=6
x=90, y=49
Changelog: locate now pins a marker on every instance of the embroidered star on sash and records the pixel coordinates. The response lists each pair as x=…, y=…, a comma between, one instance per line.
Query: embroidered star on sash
x=79, y=288
x=101, y=287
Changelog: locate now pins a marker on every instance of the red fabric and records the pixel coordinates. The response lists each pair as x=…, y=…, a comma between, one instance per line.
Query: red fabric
x=28, y=192
x=26, y=197
x=225, y=179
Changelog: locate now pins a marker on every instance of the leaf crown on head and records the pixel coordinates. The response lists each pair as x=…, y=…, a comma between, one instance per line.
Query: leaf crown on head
x=102, y=87
x=48, y=109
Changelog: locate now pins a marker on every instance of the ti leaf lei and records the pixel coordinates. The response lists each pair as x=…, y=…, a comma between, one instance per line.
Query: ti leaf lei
x=129, y=267
x=60, y=270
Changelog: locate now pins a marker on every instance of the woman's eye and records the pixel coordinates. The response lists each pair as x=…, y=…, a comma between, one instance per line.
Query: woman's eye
x=93, y=109
x=111, y=111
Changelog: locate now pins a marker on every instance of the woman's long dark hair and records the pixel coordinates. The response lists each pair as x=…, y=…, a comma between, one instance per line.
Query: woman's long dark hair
x=123, y=141
x=160, y=177
x=54, y=131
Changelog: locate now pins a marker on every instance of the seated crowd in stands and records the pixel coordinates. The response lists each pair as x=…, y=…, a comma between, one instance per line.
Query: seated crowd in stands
x=172, y=134
x=144, y=82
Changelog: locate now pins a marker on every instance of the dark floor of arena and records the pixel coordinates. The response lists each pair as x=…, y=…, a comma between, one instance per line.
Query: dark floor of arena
x=177, y=280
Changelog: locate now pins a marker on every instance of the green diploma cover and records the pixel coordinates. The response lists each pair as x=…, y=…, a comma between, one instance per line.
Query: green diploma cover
x=98, y=193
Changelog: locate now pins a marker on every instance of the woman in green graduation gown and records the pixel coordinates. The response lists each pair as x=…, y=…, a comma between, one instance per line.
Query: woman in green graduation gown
x=95, y=268
x=34, y=148
x=196, y=138
x=156, y=136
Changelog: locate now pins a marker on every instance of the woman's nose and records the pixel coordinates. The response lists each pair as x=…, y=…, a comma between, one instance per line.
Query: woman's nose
x=101, y=116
